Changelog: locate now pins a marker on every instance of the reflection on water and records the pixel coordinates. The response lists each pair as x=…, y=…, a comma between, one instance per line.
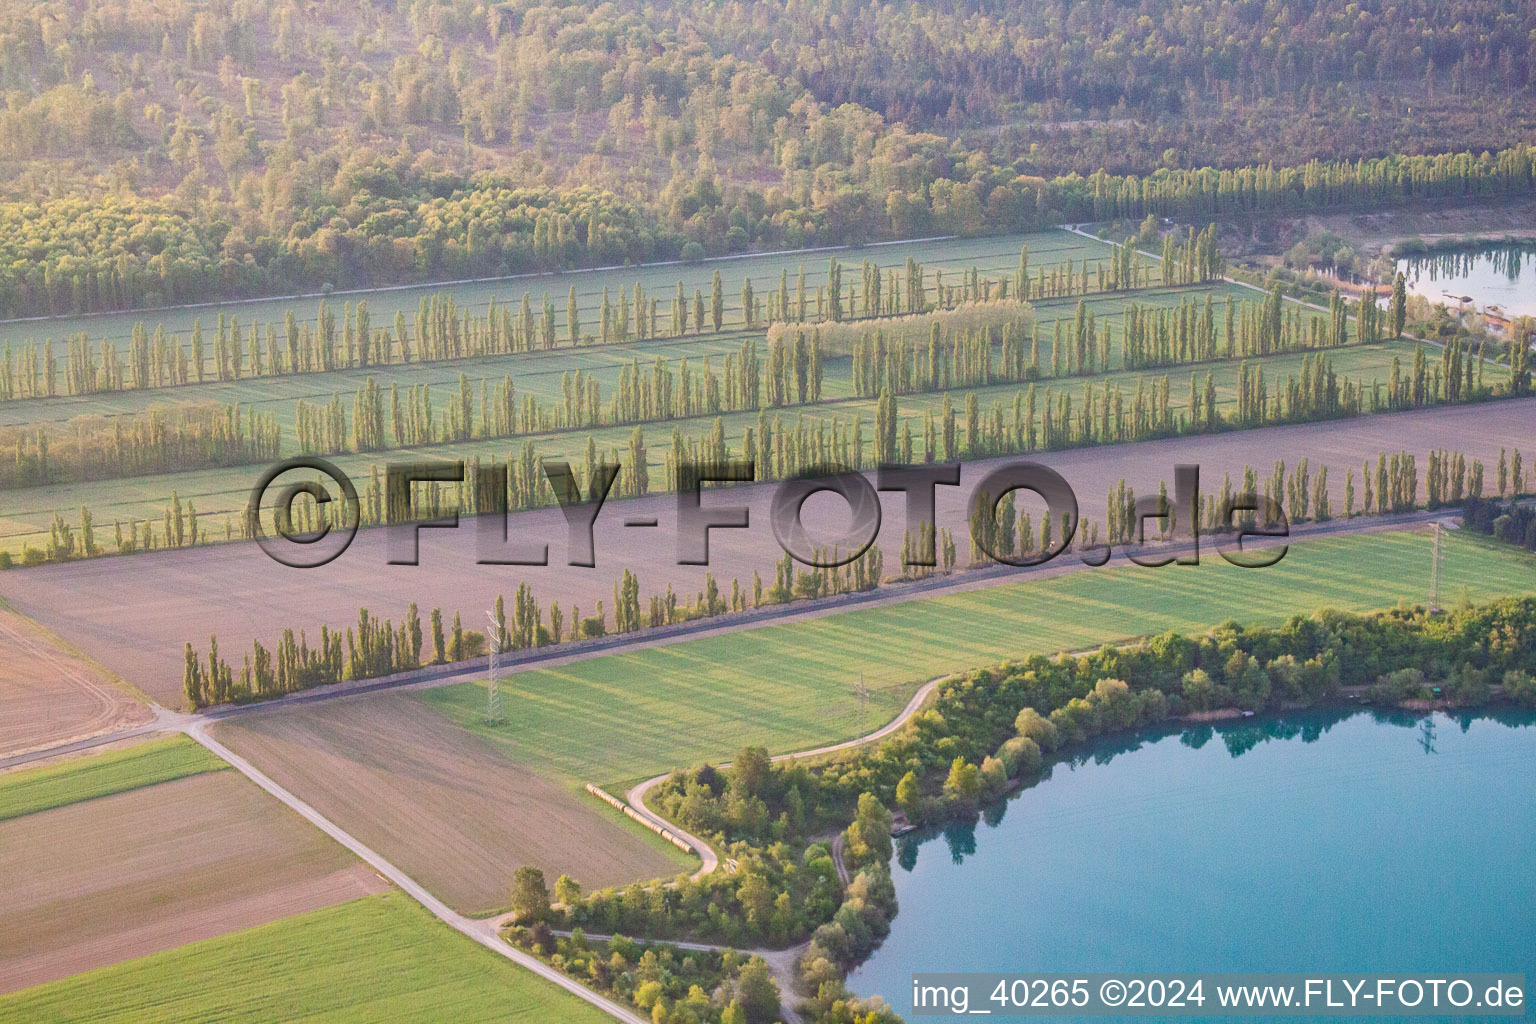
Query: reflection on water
x=1497, y=275
x=1324, y=840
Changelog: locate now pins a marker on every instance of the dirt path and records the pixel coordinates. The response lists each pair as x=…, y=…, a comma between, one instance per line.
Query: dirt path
x=548, y=658
x=49, y=696
x=781, y=963
x=711, y=860
x=134, y=615
x=485, y=932
x=480, y=931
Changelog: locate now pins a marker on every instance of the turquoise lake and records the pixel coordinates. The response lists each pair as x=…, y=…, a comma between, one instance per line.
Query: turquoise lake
x=1315, y=842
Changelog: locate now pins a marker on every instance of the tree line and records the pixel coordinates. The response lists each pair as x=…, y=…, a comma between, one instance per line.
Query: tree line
x=443, y=330
x=1388, y=485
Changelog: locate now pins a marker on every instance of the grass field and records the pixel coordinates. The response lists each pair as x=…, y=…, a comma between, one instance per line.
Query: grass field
x=116, y=771
x=135, y=614
x=219, y=493
x=539, y=373
x=371, y=961
x=622, y=718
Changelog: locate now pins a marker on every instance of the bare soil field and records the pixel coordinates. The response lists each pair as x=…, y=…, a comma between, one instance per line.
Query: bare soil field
x=134, y=614
x=49, y=695
x=450, y=810
x=107, y=880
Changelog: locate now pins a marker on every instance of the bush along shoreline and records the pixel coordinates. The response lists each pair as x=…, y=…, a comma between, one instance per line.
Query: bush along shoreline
x=988, y=732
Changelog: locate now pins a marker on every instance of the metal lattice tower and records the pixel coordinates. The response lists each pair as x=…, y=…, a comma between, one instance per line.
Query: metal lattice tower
x=862, y=693
x=1434, y=574
x=495, y=712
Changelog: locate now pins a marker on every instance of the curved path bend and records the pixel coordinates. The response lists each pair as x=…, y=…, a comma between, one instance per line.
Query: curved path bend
x=711, y=860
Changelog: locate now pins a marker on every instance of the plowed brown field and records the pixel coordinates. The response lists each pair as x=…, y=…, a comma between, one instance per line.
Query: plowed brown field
x=451, y=811
x=107, y=880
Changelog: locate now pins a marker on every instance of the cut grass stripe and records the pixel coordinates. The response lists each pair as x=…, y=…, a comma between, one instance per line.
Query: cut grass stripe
x=116, y=771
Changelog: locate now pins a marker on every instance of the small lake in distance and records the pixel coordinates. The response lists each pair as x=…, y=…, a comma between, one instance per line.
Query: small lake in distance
x=1499, y=275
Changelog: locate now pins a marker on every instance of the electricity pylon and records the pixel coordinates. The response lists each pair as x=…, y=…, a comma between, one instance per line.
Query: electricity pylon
x=862, y=693
x=495, y=713
x=1434, y=575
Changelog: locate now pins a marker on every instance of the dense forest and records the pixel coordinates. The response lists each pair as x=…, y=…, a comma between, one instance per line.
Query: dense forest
x=161, y=151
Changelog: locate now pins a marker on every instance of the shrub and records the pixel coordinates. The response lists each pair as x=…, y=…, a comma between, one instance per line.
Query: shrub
x=1396, y=687
x=1520, y=687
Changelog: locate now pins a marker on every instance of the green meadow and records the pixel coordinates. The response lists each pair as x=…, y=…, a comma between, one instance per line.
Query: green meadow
x=617, y=719
x=29, y=790
x=376, y=960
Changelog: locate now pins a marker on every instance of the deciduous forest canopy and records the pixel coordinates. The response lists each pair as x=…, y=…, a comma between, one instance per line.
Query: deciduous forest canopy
x=164, y=151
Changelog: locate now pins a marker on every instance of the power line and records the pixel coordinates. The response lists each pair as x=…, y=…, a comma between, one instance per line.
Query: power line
x=861, y=692
x=495, y=711
x=1434, y=574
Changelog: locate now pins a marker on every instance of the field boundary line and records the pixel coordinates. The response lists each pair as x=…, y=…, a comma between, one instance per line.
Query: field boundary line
x=479, y=931
x=938, y=585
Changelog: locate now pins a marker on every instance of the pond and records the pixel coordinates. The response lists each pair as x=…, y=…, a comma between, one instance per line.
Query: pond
x=1314, y=842
x=1498, y=275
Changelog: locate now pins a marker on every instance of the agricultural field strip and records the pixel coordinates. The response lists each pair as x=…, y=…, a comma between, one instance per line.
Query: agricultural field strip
x=551, y=659
x=95, y=882
x=478, y=926
x=790, y=691
x=602, y=362
x=380, y=959
x=446, y=807
x=87, y=599
x=1246, y=286
x=480, y=931
x=116, y=771
x=47, y=693
x=225, y=490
